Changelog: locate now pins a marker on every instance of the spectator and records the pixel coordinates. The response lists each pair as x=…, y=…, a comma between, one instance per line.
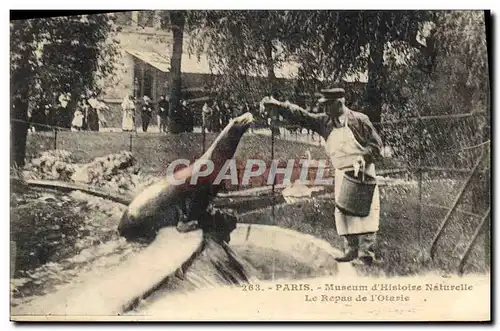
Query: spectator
x=162, y=117
x=38, y=118
x=206, y=115
x=83, y=106
x=62, y=114
x=77, y=123
x=93, y=112
x=128, y=108
x=226, y=114
x=188, y=116
x=146, y=111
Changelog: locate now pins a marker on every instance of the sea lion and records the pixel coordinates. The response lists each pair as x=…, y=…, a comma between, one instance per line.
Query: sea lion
x=165, y=204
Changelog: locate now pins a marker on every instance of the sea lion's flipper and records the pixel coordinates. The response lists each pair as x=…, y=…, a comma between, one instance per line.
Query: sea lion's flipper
x=187, y=226
x=182, y=212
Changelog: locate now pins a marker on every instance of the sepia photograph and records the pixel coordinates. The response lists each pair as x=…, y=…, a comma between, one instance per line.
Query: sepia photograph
x=250, y=165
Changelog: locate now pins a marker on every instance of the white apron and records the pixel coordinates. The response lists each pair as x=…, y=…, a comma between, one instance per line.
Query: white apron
x=343, y=149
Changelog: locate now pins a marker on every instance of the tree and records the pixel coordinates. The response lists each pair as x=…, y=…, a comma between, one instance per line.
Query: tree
x=177, y=22
x=22, y=48
x=55, y=55
x=400, y=29
x=244, y=49
x=329, y=45
x=341, y=43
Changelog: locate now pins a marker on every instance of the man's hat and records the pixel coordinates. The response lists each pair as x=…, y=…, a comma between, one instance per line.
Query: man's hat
x=331, y=94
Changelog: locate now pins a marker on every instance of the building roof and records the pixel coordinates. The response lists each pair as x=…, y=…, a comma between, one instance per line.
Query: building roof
x=152, y=58
x=194, y=65
x=191, y=64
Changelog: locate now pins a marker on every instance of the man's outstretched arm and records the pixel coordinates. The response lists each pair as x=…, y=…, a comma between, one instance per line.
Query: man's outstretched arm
x=296, y=115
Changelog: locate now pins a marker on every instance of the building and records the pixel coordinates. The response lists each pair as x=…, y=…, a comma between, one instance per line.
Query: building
x=144, y=62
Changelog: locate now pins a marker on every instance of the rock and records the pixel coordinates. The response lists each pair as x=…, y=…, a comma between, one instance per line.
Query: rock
x=47, y=197
x=19, y=282
x=36, y=163
x=81, y=175
x=115, y=172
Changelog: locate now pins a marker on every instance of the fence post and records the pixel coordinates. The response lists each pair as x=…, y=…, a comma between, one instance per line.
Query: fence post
x=480, y=192
x=419, y=178
x=13, y=256
x=55, y=138
x=272, y=159
x=203, y=134
x=481, y=227
x=455, y=204
x=130, y=144
x=487, y=233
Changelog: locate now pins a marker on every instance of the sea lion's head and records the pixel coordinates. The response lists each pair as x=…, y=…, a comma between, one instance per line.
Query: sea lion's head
x=221, y=150
x=239, y=125
x=225, y=145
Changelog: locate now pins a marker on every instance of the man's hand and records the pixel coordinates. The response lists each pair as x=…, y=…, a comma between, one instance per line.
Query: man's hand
x=359, y=163
x=268, y=103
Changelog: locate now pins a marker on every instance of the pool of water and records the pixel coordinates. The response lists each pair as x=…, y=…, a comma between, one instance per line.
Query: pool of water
x=56, y=237
x=217, y=267
x=274, y=264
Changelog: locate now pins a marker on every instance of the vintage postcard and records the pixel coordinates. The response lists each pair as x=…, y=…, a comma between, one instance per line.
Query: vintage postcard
x=250, y=165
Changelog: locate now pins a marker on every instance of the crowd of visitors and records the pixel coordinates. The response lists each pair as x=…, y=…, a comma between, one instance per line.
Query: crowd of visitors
x=140, y=114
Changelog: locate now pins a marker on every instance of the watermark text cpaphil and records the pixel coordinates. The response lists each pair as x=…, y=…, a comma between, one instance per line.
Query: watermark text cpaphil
x=310, y=172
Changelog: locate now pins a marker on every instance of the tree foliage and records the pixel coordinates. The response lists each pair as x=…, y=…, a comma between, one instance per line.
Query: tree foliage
x=70, y=53
x=244, y=49
x=417, y=63
x=450, y=77
x=328, y=45
x=51, y=56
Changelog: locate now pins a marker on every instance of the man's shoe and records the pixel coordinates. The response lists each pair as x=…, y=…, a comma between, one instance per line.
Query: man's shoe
x=367, y=260
x=348, y=257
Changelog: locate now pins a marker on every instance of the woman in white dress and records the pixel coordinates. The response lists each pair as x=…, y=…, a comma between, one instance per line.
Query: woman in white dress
x=77, y=123
x=128, y=108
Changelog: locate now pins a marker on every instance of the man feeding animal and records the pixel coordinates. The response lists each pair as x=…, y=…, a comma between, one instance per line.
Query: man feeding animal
x=351, y=143
x=179, y=200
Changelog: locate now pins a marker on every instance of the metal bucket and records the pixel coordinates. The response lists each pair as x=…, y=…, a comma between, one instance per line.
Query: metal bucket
x=356, y=194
